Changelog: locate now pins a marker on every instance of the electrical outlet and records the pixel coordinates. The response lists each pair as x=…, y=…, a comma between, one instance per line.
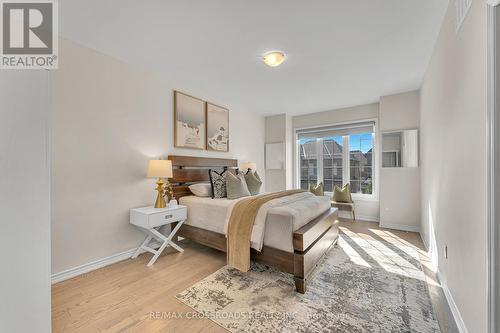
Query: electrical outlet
x=446, y=251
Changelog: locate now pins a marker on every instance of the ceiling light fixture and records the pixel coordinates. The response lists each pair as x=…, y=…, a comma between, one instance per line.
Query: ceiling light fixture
x=273, y=58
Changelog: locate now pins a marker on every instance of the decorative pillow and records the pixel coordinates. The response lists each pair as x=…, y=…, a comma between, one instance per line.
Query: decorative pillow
x=253, y=182
x=201, y=189
x=316, y=189
x=342, y=194
x=236, y=186
x=234, y=171
x=218, y=183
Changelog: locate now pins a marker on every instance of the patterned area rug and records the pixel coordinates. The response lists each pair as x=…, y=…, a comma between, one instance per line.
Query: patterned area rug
x=365, y=284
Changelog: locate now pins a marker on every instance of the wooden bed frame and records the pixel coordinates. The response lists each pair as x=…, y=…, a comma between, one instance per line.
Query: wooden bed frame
x=310, y=243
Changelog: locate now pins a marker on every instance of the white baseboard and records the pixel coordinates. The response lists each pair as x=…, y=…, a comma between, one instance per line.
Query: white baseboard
x=92, y=266
x=400, y=227
x=424, y=241
x=367, y=218
x=453, y=307
x=348, y=215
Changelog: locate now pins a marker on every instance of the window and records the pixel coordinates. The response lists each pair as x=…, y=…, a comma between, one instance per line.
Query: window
x=333, y=164
x=360, y=159
x=308, y=162
x=337, y=155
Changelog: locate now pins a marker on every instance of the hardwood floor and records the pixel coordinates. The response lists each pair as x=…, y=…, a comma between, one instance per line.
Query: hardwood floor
x=130, y=297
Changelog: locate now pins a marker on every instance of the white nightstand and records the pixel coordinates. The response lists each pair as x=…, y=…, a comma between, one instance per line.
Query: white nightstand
x=149, y=220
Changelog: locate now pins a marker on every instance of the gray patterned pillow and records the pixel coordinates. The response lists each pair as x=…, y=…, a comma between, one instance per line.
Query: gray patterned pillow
x=236, y=186
x=218, y=181
x=253, y=182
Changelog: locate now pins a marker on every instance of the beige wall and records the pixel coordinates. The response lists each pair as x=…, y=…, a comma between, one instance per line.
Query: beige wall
x=400, y=187
x=365, y=209
x=108, y=119
x=453, y=161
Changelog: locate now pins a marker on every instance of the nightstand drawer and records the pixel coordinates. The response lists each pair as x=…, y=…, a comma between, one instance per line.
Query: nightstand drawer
x=170, y=216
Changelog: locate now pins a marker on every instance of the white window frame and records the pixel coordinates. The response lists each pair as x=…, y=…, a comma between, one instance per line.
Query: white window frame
x=346, y=170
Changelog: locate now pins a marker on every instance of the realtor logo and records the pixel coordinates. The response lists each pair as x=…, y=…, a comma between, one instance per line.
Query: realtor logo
x=29, y=34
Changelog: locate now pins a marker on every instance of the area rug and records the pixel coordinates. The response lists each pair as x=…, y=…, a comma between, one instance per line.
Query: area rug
x=364, y=284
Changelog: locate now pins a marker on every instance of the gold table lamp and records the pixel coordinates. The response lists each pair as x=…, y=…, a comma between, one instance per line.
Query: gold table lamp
x=160, y=169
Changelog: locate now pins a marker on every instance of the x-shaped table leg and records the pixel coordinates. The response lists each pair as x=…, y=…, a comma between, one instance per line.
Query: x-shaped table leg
x=165, y=242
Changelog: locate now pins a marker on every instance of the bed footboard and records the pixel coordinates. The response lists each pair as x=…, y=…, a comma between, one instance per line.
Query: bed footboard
x=311, y=243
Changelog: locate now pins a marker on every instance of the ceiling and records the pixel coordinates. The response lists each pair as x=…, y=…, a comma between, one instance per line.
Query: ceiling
x=340, y=52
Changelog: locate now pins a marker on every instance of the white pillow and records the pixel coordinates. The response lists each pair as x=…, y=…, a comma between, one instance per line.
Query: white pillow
x=201, y=189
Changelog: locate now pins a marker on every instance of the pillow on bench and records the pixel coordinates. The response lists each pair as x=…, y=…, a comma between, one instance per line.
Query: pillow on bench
x=342, y=194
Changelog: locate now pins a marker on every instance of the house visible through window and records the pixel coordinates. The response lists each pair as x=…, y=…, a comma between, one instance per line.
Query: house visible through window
x=337, y=155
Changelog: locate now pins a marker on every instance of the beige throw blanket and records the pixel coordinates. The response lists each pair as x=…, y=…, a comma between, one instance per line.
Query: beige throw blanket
x=240, y=227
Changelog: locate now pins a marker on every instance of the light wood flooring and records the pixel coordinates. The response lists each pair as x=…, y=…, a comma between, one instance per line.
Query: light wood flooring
x=123, y=296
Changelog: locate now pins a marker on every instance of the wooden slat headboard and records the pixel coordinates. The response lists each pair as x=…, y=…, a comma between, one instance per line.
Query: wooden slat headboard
x=191, y=169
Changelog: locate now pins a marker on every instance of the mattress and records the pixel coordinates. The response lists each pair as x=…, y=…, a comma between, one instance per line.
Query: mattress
x=280, y=223
x=206, y=213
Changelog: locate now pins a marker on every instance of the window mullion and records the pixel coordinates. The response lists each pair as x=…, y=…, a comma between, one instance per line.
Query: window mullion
x=319, y=154
x=374, y=143
x=346, y=162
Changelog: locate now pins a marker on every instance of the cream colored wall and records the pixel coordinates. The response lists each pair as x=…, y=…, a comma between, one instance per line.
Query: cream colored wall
x=108, y=118
x=365, y=209
x=400, y=187
x=453, y=161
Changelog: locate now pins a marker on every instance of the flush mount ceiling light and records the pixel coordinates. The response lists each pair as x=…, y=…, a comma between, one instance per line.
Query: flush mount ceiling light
x=273, y=58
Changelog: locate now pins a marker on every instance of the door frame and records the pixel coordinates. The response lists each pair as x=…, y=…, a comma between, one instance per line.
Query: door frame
x=493, y=171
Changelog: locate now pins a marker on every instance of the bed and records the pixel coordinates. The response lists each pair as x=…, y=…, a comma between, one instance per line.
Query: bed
x=296, y=236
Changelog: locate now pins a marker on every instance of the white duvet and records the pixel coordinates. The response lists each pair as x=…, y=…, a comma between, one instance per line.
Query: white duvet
x=303, y=207
x=275, y=222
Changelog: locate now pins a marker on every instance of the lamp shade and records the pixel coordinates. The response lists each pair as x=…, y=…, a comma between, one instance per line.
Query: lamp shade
x=160, y=169
x=248, y=165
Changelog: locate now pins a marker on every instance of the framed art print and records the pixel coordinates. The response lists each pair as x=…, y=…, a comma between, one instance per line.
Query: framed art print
x=217, y=128
x=189, y=121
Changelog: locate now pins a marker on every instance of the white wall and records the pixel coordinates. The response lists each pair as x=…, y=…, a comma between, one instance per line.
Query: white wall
x=453, y=161
x=24, y=202
x=400, y=198
x=279, y=129
x=356, y=113
x=365, y=209
x=108, y=119
x=400, y=111
x=289, y=157
x=495, y=271
x=400, y=187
